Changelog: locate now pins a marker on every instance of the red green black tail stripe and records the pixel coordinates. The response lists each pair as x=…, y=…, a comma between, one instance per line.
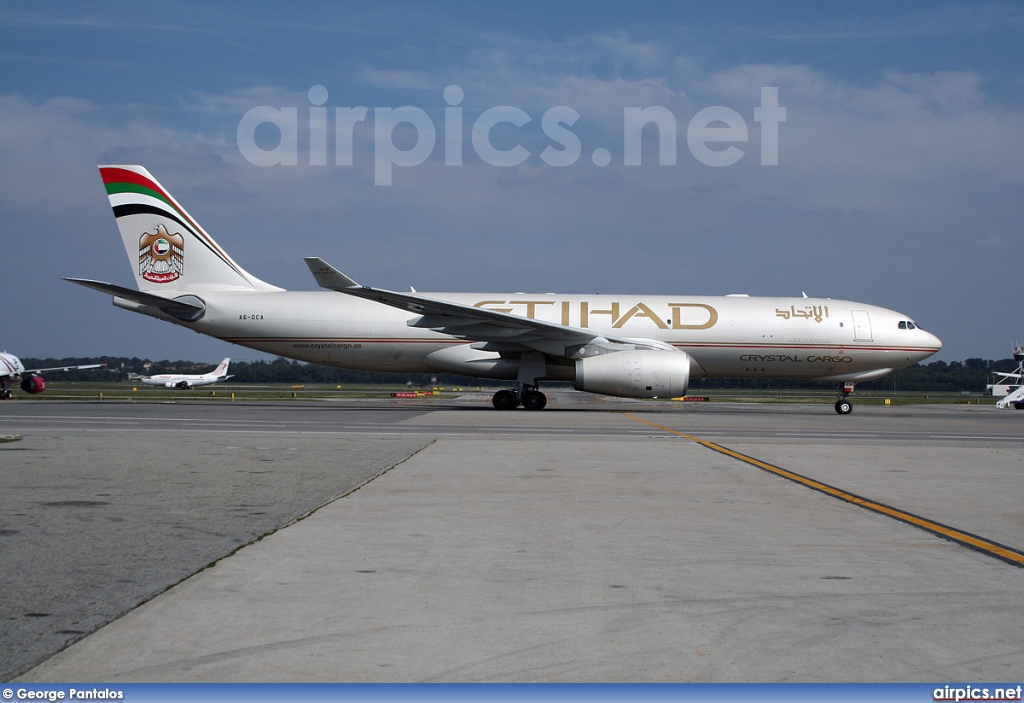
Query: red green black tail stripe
x=120, y=180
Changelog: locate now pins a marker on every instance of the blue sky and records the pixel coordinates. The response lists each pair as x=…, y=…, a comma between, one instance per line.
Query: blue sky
x=899, y=178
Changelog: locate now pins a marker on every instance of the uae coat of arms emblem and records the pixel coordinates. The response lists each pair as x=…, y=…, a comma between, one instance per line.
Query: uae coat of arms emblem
x=161, y=256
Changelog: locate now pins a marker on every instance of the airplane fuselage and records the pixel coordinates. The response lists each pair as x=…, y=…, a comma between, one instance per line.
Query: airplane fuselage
x=170, y=380
x=725, y=336
x=10, y=366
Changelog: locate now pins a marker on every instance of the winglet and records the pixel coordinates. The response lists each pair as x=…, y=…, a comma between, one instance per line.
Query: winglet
x=327, y=276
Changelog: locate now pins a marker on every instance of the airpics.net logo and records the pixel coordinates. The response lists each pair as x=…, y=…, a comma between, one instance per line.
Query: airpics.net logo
x=712, y=134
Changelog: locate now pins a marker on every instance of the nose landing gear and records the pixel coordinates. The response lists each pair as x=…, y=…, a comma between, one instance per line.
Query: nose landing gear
x=844, y=406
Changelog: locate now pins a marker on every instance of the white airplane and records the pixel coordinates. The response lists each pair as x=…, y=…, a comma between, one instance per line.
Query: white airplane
x=184, y=381
x=635, y=346
x=12, y=370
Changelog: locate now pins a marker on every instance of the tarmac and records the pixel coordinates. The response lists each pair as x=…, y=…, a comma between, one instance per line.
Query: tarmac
x=440, y=541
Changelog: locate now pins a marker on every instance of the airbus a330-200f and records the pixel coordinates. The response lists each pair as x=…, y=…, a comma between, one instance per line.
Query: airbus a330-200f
x=634, y=346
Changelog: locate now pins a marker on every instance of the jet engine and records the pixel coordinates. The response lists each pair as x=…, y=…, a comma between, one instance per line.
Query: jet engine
x=180, y=385
x=33, y=384
x=648, y=373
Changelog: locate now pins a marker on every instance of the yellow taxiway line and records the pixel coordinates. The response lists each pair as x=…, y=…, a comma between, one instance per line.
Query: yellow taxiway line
x=993, y=549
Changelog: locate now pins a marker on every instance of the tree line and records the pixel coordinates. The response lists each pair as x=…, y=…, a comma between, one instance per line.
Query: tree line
x=280, y=370
x=954, y=376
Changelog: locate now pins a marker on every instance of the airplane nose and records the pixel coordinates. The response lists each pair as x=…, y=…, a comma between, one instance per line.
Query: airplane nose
x=933, y=342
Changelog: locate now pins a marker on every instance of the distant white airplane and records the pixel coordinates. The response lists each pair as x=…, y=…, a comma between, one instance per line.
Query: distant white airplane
x=12, y=370
x=184, y=381
x=622, y=345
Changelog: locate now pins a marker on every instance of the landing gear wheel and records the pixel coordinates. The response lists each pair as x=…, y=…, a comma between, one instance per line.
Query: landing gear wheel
x=505, y=400
x=534, y=400
x=844, y=407
x=6, y=395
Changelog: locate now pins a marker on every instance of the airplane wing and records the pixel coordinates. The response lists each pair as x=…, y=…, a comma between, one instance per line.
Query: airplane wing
x=492, y=330
x=63, y=368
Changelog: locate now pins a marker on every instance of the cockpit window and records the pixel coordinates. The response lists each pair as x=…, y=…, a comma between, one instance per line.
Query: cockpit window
x=903, y=324
x=907, y=325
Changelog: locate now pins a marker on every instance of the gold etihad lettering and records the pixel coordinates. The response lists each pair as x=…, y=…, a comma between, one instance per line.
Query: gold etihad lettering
x=677, y=324
x=643, y=311
x=586, y=312
x=488, y=303
x=682, y=316
x=531, y=306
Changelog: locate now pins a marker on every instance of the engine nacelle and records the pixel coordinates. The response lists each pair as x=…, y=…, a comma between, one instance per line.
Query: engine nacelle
x=635, y=374
x=33, y=384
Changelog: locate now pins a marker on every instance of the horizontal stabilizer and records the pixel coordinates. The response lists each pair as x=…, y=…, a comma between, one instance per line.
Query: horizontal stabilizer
x=137, y=296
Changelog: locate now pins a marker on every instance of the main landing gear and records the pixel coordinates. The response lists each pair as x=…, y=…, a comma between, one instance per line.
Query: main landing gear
x=844, y=406
x=529, y=397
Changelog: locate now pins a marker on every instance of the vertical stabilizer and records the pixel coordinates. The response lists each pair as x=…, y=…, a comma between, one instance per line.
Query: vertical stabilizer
x=166, y=247
x=221, y=369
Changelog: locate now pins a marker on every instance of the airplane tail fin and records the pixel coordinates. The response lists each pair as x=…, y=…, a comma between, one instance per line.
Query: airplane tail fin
x=221, y=370
x=168, y=250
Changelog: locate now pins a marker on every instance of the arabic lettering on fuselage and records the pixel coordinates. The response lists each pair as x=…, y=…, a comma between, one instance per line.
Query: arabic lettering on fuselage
x=808, y=312
x=680, y=316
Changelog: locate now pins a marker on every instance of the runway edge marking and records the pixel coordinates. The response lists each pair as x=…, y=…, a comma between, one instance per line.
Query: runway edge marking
x=985, y=546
